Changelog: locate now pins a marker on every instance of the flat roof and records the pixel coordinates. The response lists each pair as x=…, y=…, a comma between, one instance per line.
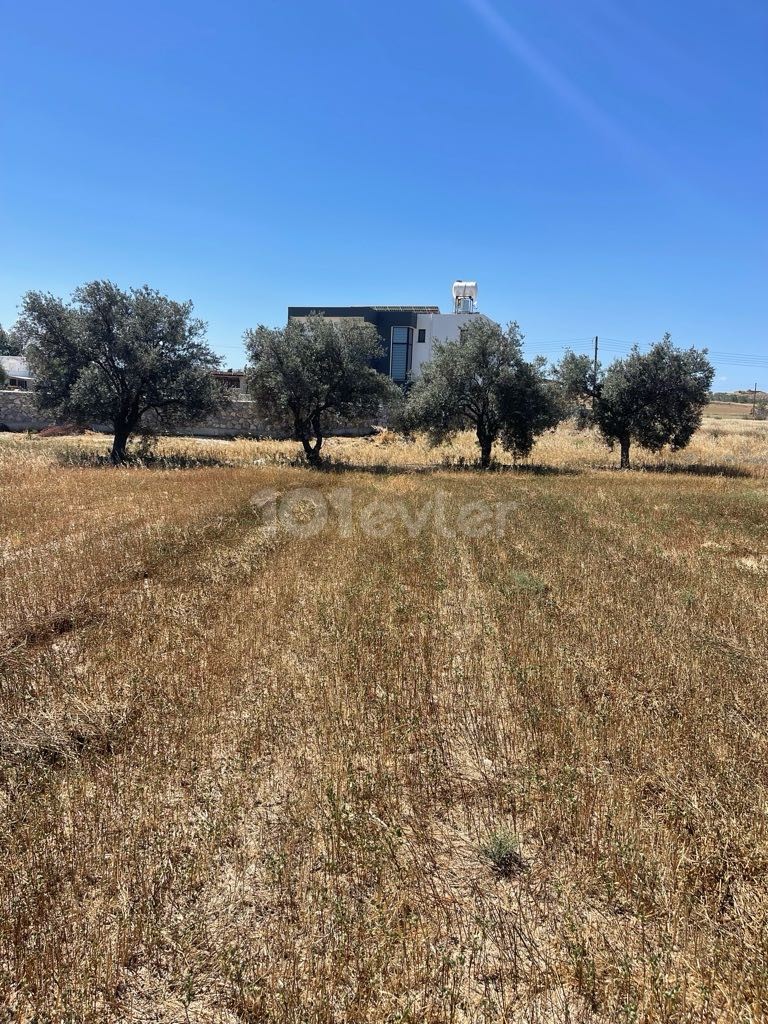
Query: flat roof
x=16, y=366
x=372, y=309
x=406, y=309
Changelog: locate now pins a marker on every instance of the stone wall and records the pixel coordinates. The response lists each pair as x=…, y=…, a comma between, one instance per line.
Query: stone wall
x=236, y=419
x=18, y=411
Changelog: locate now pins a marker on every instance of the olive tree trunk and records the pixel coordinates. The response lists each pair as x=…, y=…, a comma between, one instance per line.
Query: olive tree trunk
x=308, y=430
x=120, y=440
x=312, y=451
x=485, y=441
x=624, y=443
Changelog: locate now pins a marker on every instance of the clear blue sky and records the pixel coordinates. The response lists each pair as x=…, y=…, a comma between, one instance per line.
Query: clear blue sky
x=599, y=167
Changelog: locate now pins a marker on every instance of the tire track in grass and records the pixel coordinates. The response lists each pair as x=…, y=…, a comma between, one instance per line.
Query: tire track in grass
x=122, y=650
x=196, y=721
x=394, y=845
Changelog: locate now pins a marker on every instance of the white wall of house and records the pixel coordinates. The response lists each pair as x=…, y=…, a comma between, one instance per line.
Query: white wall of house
x=18, y=373
x=437, y=327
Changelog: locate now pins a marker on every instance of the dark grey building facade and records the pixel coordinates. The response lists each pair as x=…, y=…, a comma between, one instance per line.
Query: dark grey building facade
x=397, y=326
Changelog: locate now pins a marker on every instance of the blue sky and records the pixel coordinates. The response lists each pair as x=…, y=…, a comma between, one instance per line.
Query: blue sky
x=598, y=167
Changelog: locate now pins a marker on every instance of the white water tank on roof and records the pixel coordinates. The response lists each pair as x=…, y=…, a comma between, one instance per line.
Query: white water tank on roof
x=464, y=296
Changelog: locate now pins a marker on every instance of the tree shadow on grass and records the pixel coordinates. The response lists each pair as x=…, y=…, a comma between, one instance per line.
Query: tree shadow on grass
x=385, y=469
x=84, y=459
x=539, y=469
x=696, y=469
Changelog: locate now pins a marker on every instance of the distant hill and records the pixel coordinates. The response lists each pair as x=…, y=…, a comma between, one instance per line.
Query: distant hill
x=745, y=397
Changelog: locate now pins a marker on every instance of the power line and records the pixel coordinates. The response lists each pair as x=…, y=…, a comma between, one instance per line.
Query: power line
x=615, y=345
x=554, y=347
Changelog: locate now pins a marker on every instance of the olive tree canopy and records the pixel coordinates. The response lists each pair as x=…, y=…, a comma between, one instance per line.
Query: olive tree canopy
x=481, y=382
x=314, y=369
x=653, y=399
x=11, y=341
x=115, y=356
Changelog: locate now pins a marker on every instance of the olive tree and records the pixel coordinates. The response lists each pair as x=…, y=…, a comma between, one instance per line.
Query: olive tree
x=4, y=351
x=11, y=342
x=653, y=399
x=119, y=357
x=481, y=382
x=314, y=369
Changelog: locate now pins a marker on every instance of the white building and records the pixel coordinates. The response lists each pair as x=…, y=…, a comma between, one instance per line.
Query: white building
x=18, y=373
x=408, y=333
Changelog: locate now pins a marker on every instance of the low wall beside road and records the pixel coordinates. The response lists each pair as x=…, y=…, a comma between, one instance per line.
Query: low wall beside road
x=18, y=411
x=238, y=418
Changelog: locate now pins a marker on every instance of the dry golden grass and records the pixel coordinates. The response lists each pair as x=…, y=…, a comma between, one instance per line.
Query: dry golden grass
x=252, y=776
x=721, y=446
x=730, y=410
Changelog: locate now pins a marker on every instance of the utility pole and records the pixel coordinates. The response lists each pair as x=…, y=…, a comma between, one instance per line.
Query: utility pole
x=754, y=402
x=594, y=384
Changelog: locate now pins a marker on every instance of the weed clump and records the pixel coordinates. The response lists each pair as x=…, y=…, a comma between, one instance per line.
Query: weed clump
x=502, y=850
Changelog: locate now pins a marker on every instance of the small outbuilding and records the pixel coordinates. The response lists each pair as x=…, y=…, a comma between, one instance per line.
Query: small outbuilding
x=17, y=370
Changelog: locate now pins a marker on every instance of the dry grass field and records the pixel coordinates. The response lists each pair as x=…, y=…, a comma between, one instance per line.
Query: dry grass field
x=400, y=742
x=729, y=410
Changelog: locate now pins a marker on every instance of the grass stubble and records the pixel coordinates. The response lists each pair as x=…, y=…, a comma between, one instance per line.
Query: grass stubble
x=247, y=776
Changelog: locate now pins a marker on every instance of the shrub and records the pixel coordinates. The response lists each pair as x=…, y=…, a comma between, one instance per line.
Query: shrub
x=501, y=849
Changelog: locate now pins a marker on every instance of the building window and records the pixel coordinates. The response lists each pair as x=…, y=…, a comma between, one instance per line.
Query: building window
x=422, y=335
x=400, y=356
